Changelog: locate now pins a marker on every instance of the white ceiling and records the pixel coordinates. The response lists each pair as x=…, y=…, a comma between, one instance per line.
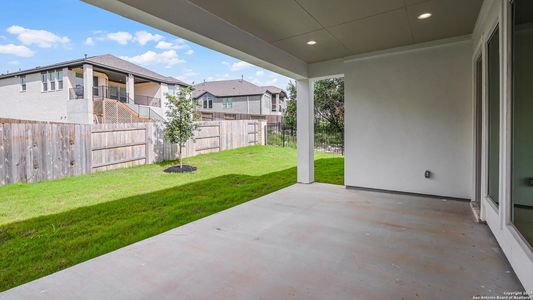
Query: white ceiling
x=273, y=34
x=345, y=27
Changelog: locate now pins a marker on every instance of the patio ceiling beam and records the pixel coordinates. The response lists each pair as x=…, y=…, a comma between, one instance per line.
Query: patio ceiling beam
x=185, y=19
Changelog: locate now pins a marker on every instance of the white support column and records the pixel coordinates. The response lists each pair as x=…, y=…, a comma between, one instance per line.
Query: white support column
x=130, y=87
x=88, y=91
x=88, y=82
x=305, y=131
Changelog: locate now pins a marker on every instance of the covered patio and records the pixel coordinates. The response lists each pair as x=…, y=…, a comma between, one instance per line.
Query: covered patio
x=316, y=241
x=432, y=108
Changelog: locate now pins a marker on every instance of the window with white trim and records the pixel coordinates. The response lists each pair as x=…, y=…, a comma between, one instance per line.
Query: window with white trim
x=171, y=90
x=59, y=79
x=208, y=101
x=44, y=80
x=52, y=76
x=52, y=80
x=227, y=103
x=23, y=83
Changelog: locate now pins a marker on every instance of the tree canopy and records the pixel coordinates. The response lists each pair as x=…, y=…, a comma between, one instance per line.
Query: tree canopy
x=329, y=104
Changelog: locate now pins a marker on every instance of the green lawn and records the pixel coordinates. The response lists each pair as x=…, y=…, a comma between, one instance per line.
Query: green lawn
x=48, y=226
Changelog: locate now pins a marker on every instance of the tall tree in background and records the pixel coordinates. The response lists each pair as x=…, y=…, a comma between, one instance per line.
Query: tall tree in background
x=289, y=116
x=329, y=104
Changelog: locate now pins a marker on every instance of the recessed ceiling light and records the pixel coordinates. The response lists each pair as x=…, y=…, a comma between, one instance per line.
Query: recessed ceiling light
x=311, y=43
x=424, y=16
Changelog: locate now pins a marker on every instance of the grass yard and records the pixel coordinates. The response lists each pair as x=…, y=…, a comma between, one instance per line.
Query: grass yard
x=49, y=226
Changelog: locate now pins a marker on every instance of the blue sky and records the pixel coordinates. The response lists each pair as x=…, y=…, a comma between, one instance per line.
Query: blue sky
x=37, y=33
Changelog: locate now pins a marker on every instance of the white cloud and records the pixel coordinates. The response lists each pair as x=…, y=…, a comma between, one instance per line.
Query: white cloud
x=176, y=45
x=164, y=45
x=17, y=50
x=167, y=58
x=189, y=52
x=89, y=41
x=238, y=66
x=120, y=37
x=187, y=75
x=41, y=38
x=144, y=37
x=14, y=62
x=259, y=73
x=225, y=63
x=259, y=82
x=218, y=77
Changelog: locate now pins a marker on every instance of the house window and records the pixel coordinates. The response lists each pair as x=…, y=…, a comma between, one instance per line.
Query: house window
x=268, y=101
x=208, y=101
x=44, y=80
x=79, y=80
x=494, y=116
x=23, y=83
x=522, y=110
x=227, y=103
x=59, y=79
x=172, y=90
x=52, y=75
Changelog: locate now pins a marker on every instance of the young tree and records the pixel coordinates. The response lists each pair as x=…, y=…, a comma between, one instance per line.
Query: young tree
x=289, y=116
x=182, y=118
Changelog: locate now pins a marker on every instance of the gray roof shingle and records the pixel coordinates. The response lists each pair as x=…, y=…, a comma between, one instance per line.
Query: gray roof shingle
x=105, y=61
x=120, y=64
x=227, y=88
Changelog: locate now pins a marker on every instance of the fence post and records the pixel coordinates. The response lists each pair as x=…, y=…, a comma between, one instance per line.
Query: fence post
x=283, y=137
x=147, y=143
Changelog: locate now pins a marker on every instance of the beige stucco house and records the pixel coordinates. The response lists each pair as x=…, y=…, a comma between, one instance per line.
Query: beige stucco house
x=83, y=90
x=239, y=99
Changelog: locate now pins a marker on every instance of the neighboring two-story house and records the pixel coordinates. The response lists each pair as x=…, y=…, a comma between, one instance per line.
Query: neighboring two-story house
x=97, y=89
x=239, y=99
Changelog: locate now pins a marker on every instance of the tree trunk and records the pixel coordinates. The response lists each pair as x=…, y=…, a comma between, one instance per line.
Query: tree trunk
x=179, y=155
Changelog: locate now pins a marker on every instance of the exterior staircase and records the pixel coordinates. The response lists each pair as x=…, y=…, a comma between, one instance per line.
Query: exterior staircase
x=146, y=112
x=114, y=111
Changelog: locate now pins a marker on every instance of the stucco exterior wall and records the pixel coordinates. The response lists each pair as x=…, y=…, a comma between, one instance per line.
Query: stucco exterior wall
x=33, y=104
x=241, y=105
x=150, y=89
x=407, y=113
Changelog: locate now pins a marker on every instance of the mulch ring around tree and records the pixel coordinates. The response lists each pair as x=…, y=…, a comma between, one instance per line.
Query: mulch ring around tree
x=177, y=169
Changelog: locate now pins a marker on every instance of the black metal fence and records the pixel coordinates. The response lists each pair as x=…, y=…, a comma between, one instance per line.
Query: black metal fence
x=107, y=92
x=326, y=139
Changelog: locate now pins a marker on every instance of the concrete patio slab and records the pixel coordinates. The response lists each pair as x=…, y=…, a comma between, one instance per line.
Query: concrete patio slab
x=313, y=241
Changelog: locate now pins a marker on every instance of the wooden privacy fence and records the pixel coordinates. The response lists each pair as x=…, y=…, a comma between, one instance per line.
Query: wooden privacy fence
x=35, y=152
x=43, y=151
x=213, y=136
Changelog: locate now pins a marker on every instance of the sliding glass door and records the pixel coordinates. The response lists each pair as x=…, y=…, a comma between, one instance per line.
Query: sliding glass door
x=493, y=80
x=522, y=119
